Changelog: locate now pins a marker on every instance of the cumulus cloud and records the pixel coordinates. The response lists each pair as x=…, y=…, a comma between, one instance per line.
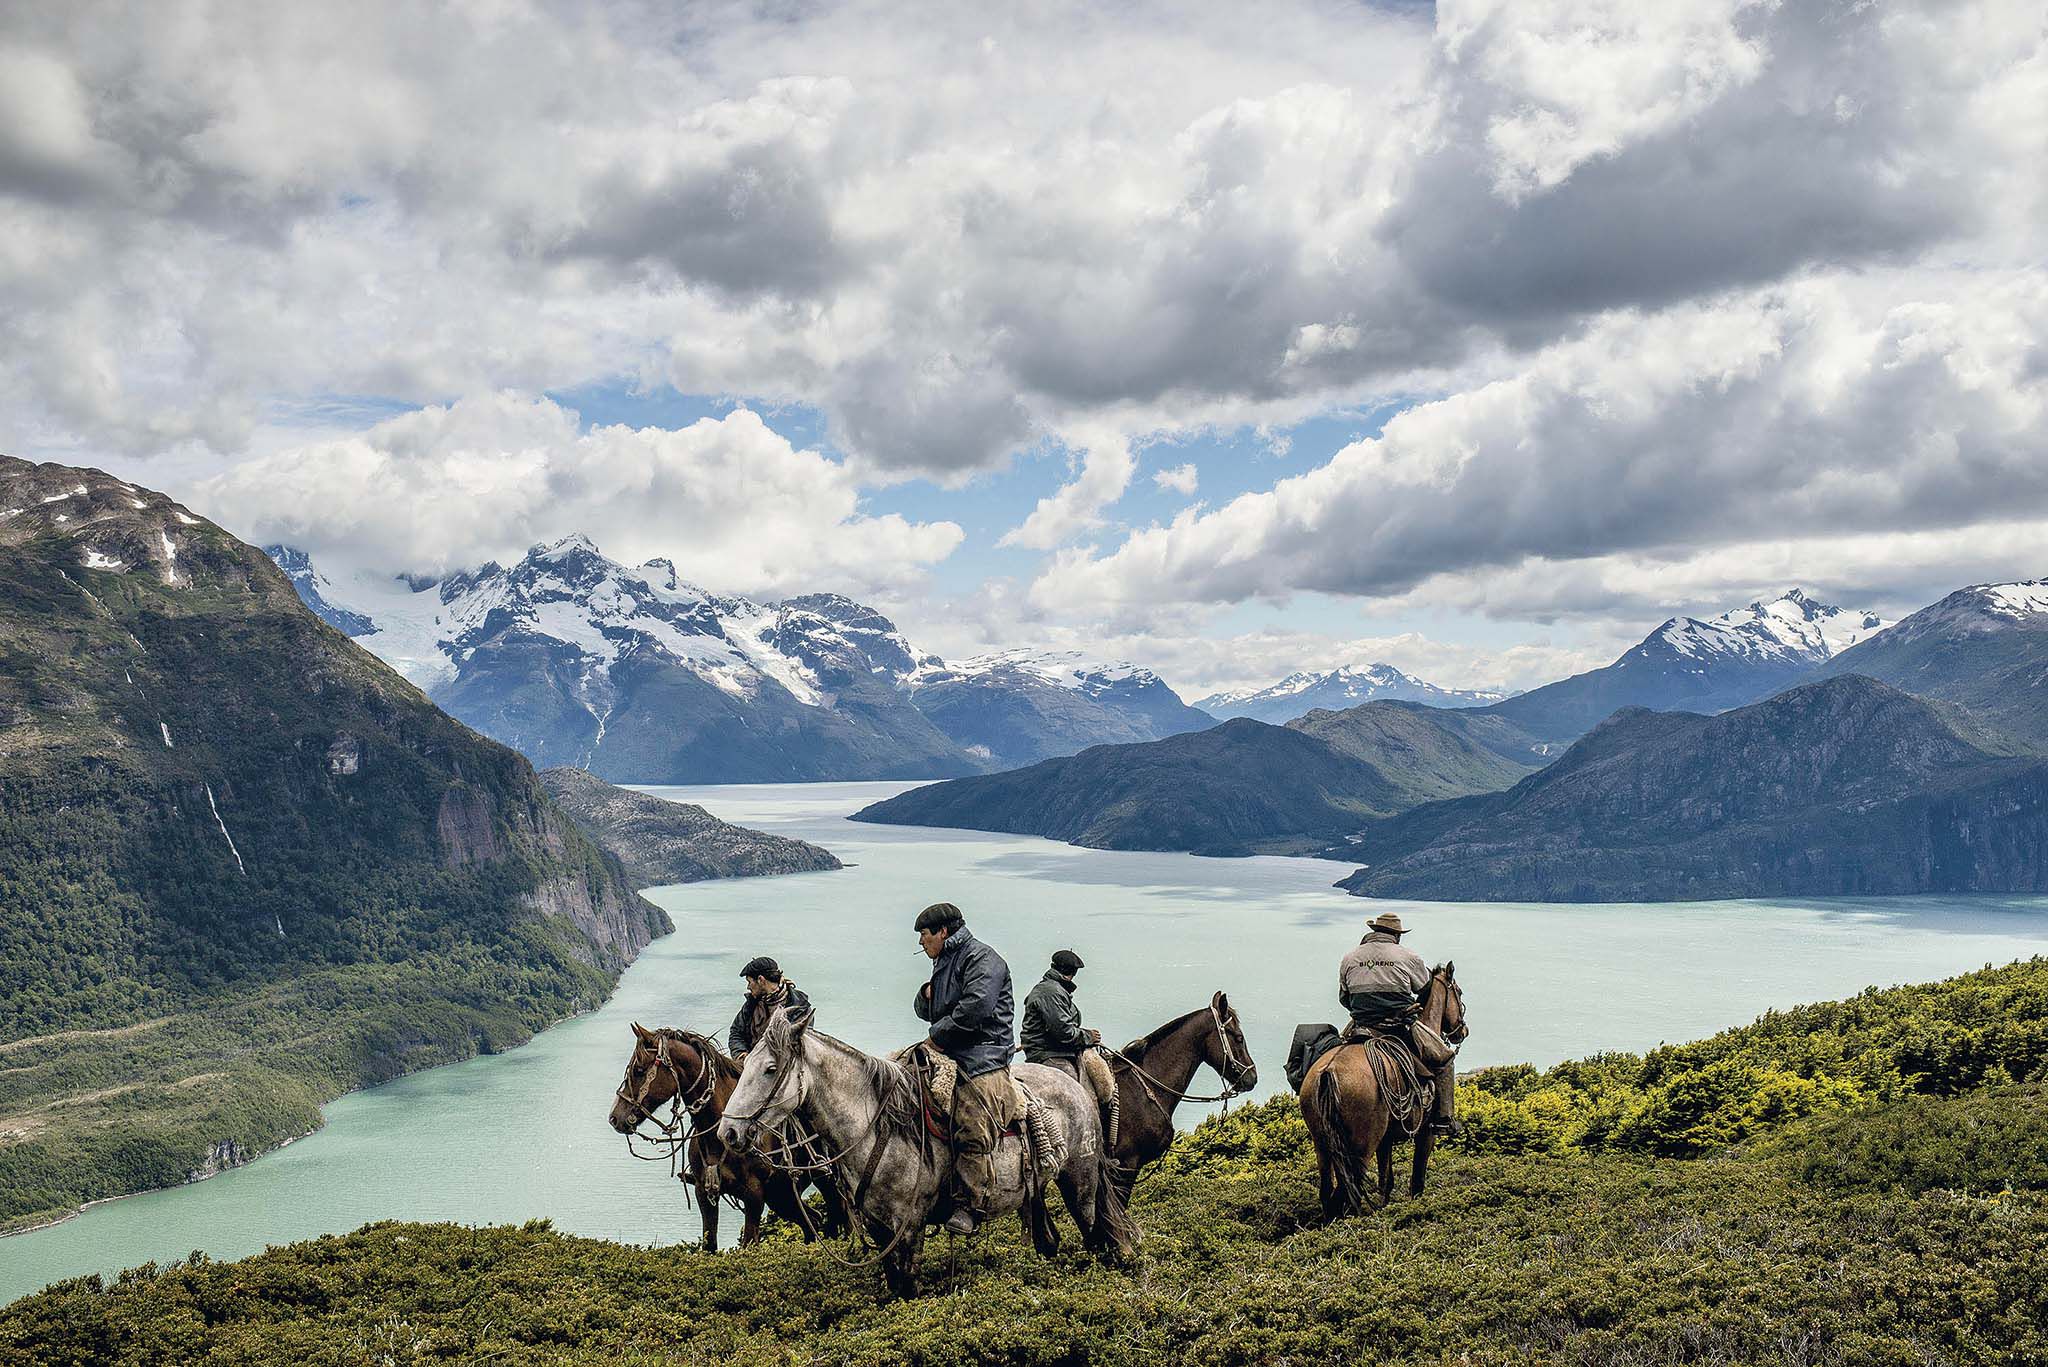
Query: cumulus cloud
x=1824, y=408
x=1678, y=277
x=1181, y=479
x=727, y=499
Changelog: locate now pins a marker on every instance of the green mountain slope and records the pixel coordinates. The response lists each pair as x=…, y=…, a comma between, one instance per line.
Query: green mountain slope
x=1873, y=1189
x=1238, y=788
x=663, y=842
x=209, y=798
x=1846, y=786
x=1421, y=750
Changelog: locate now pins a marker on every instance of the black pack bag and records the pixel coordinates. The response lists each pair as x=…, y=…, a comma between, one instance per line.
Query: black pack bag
x=1310, y=1043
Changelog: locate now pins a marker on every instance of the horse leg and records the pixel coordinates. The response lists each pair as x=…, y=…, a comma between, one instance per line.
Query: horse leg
x=1425, y=1144
x=900, y=1267
x=1385, y=1153
x=837, y=1222
x=707, y=1211
x=750, y=1228
x=1045, y=1236
x=786, y=1201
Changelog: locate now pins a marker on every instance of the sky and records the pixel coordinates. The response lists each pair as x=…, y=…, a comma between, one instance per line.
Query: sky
x=1232, y=340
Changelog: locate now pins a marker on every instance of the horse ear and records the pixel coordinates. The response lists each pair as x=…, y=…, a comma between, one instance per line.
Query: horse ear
x=642, y=1033
x=1220, y=1002
x=1450, y=969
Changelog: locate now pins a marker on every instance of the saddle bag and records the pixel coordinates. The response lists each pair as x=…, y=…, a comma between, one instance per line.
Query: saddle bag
x=1434, y=1050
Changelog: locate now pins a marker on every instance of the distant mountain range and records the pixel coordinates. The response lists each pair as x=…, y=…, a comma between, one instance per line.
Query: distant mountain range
x=638, y=676
x=1695, y=665
x=1841, y=786
x=1240, y=788
x=1336, y=689
x=1984, y=648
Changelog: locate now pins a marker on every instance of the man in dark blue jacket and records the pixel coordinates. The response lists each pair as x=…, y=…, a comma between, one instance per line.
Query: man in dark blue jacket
x=967, y=1002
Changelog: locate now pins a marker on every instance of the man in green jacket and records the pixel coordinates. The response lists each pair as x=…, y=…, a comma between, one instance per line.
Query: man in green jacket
x=1053, y=1033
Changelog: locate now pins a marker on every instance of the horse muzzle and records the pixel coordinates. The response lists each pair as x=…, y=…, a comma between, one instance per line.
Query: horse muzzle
x=734, y=1133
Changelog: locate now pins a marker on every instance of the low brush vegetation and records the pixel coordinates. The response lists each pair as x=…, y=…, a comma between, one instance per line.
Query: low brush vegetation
x=1894, y=1209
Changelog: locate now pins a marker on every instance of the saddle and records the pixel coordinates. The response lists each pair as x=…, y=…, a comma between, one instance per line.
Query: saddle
x=1034, y=1126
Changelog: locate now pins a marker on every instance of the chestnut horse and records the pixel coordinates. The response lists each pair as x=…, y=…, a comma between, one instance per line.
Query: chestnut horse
x=1152, y=1076
x=692, y=1076
x=1351, y=1113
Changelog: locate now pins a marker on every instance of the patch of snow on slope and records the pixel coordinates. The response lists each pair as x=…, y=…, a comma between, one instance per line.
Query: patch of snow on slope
x=2017, y=599
x=95, y=561
x=406, y=632
x=170, y=558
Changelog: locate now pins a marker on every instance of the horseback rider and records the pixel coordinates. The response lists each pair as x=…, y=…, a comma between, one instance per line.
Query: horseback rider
x=967, y=1002
x=1053, y=1033
x=1381, y=984
x=767, y=992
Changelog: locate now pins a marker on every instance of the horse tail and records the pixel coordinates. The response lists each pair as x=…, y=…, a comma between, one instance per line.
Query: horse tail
x=1113, y=1223
x=1348, y=1166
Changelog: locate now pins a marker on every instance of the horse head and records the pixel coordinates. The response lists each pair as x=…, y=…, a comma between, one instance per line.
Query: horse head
x=1445, y=980
x=772, y=1084
x=1227, y=1052
x=650, y=1083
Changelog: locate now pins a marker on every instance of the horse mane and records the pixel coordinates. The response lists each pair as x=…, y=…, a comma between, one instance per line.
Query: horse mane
x=1137, y=1048
x=902, y=1109
x=705, y=1046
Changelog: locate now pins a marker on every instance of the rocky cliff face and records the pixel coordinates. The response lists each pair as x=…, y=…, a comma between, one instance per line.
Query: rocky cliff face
x=662, y=842
x=1836, y=788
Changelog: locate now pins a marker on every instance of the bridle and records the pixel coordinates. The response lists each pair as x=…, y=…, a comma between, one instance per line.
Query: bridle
x=692, y=1095
x=1233, y=1070
x=1457, y=1034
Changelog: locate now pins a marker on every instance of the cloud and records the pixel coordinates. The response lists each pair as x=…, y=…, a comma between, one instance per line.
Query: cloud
x=1076, y=507
x=727, y=499
x=1832, y=407
x=1181, y=479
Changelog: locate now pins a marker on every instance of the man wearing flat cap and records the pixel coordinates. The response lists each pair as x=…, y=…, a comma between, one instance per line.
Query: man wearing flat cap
x=1381, y=984
x=967, y=1002
x=767, y=993
x=1053, y=1033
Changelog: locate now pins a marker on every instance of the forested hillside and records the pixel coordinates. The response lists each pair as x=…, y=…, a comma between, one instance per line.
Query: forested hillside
x=243, y=865
x=1868, y=1184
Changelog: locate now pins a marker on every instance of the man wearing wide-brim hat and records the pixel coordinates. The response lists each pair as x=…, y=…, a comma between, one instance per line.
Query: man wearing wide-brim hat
x=1381, y=984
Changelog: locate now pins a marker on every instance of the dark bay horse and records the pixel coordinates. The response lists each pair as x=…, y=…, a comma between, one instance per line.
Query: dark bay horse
x=1350, y=1113
x=671, y=1066
x=1152, y=1077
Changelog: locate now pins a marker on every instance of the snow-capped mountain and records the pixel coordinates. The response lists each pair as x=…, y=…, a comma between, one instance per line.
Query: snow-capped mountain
x=1017, y=707
x=1337, y=689
x=1984, y=648
x=640, y=676
x=1791, y=628
x=1698, y=665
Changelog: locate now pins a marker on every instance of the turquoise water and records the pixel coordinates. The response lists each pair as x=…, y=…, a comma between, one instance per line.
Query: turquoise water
x=523, y=1134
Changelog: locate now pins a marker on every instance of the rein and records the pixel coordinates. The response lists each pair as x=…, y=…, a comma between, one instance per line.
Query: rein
x=1157, y=1088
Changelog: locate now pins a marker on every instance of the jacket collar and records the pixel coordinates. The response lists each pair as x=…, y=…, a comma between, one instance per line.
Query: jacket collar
x=1380, y=937
x=1053, y=975
x=956, y=943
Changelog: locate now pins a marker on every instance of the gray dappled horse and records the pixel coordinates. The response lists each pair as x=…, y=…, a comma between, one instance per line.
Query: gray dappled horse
x=894, y=1172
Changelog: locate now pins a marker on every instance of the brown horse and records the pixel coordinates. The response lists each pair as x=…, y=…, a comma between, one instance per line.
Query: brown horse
x=1350, y=1112
x=1152, y=1076
x=692, y=1076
